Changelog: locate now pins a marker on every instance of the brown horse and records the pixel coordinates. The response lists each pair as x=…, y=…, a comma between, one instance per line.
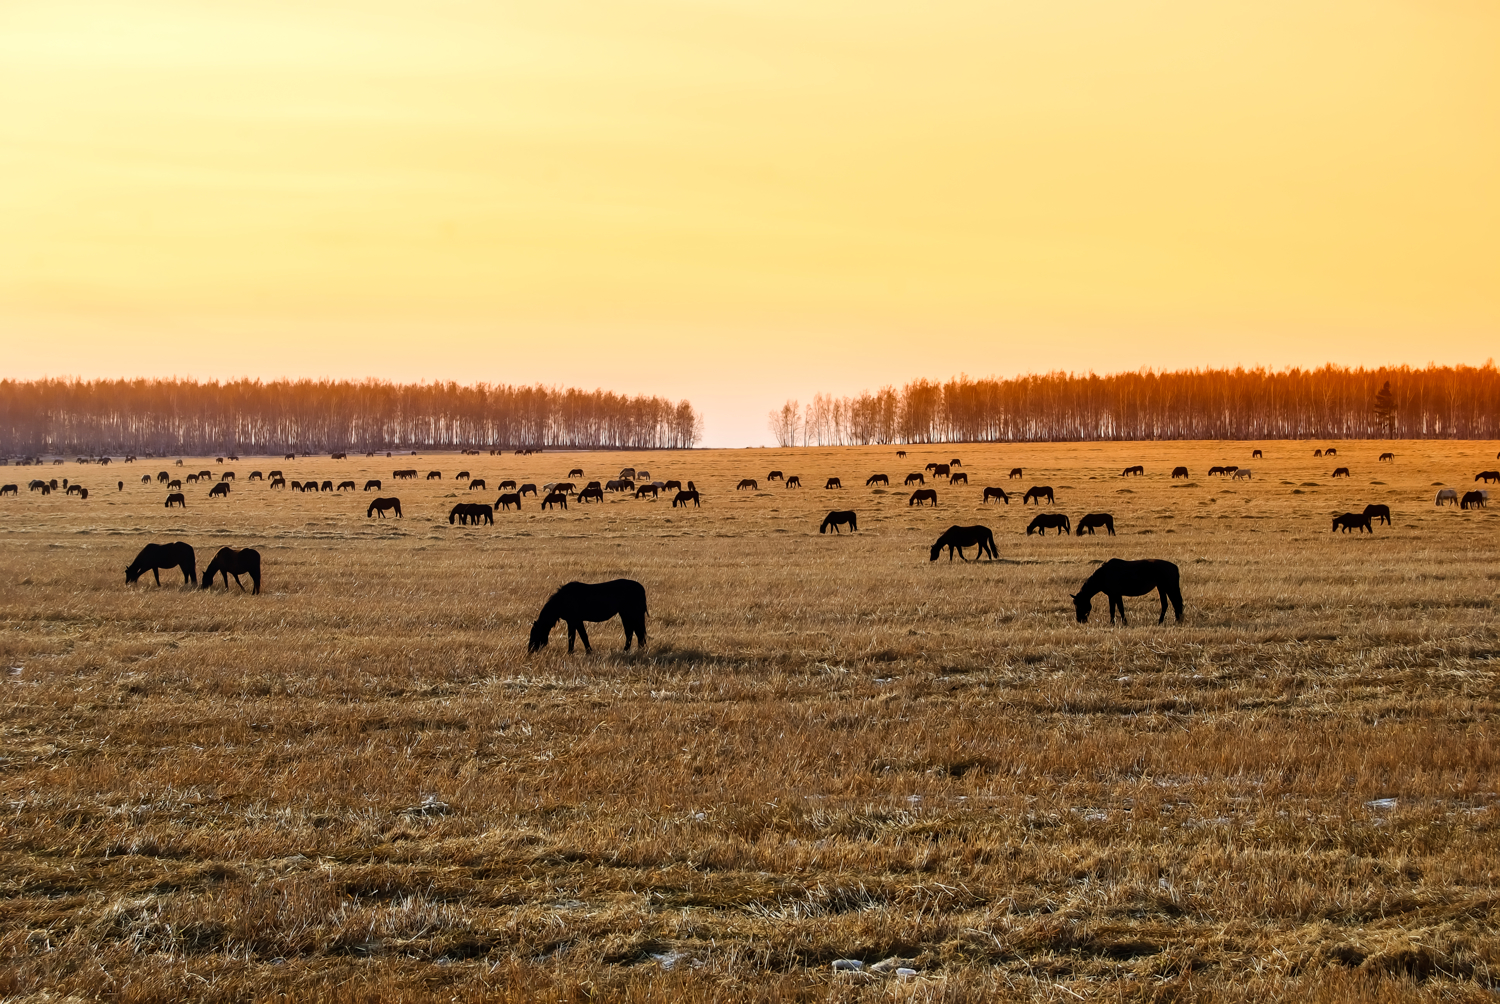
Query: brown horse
x=507, y=500
x=794, y=482
x=1015, y=472
x=997, y=494
x=558, y=499
x=372, y=485
x=1473, y=500
x=775, y=476
x=960, y=478
x=750, y=483
x=576, y=472
x=1256, y=455
x=1379, y=513
x=1384, y=457
x=221, y=490
x=1487, y=476
x=176, y=498
x=1341, y=472
x=347, y=484
x=683, y=498
x=922, y=495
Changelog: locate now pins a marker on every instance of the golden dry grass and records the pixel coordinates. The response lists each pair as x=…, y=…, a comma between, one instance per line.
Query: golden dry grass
x=358, y=786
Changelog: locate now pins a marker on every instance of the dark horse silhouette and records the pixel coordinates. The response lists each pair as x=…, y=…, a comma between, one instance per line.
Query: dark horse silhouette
x=231, y=562
x=1016, y=472
x=1117, y=579
x=915, y=478
x=222, y=488
x=1179, y=472
x=995, y=493
x=382, y=505
x=683, y=498
x=775, y=476
x=877, y=479
x=477, y=484
x=1341, y=472
x=747, y=483
x=1094, y=519
x=1137, y=469
x=1379, y=513
x=1256, y=454
x=555, y=499
x=372, y=486
x=1050, y=520
x=176, y=498
x=922, y=495
x=1317, y=453
x=1487, y=476
x=577, y=602
x=1036, y=494
x=1472, y=500
x=1387, y=457
x=347, y=484
x=154, y=557
x=958, y=478
x=956, y=538
x=576, y=472
x=527, y=489
x=794, y=482
x=596, y=493
x=1349, y=521
x=1330, y=452
x=471, y=512
x=509, y=499
x=833, y=483
x=837, y=519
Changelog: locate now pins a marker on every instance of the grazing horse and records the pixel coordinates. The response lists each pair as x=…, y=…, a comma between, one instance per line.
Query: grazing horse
x=326, y=486
x=642, y=475
x=1446, y=495
x=628, y=473
x=1094, y=519
x=1117, y=579
x=595, y=493
x=154, y=557
x=381, y=506
x=748, y=483
x=10, y=490
x=507, y=500
x=833, y=483
x=528, y=489
x=922, y=495
x=915, y=478
x=1387, y=456
x=620, y=485
x=959, y=478
x=163, y=477
x=145, y=479
x=1137, y=469
x=577, y=602
x=477, y=484
x=372, y=485
x=1341, y=472
x=1487, y=476
x=1016, y=472
x=347, y=484
x=1050, y=520
x=1379, y=513
x=471, y=512
x=672, y=486
x=220, y=489
x=507, y=483
x=839, y=518
x=227, y=476
x=192, y=479
x=406, y=475
x=278, y=483
x=1317, y=453
x=1036, y=494
x=877, y=479
x=1473, y=500
x=956, y=538
x=231, y=562
x=1213, y=471
x=289, y=456
x=1330, y=452
x=276, y=474
x=1244, y=472
x=176, y=498
x=683, y=498
x=1179, y=472
x=1349, y=521
x=900, y=453
x=576, y=472
x=955, y=462
x=942, y=470
x=794, y=482
x=1256, y=455
x=775, y=476
x=558, y=499
x=645, y=490
x=297, y=486
x=995, y=493
x=434, y=474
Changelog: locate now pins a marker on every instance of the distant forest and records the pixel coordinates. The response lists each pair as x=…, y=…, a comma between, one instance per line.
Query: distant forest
x=1439, y=402
x=102, y=417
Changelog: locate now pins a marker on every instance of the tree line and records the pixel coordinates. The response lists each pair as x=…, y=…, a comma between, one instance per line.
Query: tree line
x=102, y=417
x=1334, y=402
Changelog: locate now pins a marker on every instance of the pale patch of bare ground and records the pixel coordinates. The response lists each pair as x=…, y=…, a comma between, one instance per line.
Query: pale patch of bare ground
x=358, y=786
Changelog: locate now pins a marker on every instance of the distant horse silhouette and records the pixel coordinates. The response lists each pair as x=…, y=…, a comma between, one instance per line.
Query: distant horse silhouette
x=837, y=519
x=833, y=483
x=794, y=482
x=528, y=489
x=407, y=475
x=1446, y=495
x=508, y=500
x=176, y=498
x=877, y=479
x=1387, y=456
x=146, y=479
x=1037, y=494
x=627, y=473
x=1379, y=513
x=775, y=476
x=942, y=470
x=1473, y=500
x=576, y=472
x=577, y=602
x=1341, y=472
x=642, y=475
x=278, y=483
x=959, y=478
x=922, y=495
x=1487, y=476
x=477, y=484
x=227, y=476
x=1050, y=521
x=645, y=490
x=683, y=498
x=332, y=456
x=1255, y=455
x=619, y=485
x=277, y=474
x=163, y=477
x=174, y=483
x=372, y=485
x=995, y=493
x=220, y=489
x=1244, y=473
x=956, y=538
x=1330, y=452
x=154, y=557
x=434, y=474
x=1217, y=471
x=289, y=456
x=382, y=506
x=297, y=486
x=1117, y=579
x=955, y=462
x=1349, y=521
x=1094, y=519
x=930, y=467
x=236, y=563
x=1137, y=469
x=10, y=490
x=672, y=486
x=75, y=488
x=1016, y=472
x=748, y=483
x=507, y=483
x=915, y=478
x=900, y=453
x=558, y=499
x=1317, y=453
x=596, y=493
x=191, y=479
x=1179, y=472
x=471, y=512
x=326, y=486
x=347, y=484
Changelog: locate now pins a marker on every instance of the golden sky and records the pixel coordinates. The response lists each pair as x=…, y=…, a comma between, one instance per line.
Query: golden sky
x=741, y=201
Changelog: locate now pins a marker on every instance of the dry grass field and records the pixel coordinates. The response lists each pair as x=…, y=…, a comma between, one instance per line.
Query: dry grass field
x=358, y=785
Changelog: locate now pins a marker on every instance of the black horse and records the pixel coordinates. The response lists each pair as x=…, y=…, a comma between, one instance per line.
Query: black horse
x=176, y=498
x=747, y=483
x=958, y=477
x=1349, y=521
x=558, y=499
x=1472, y=500
x=508, y=499
x=222, y=488
x=347, y=484
x=1050, y=520
x=382, y=506
x=1094, y=519
x=1016, y=472
x=956, y=538
x=595, y=493
x=372, y=485
x=1137, y=469
x=1117, y=579
x=1179, y=472
x=839, y=518
x=231, y=562
x=471, y=512
x=794, y=482
x=683, y=498
x=1379, y=513
x=834, y=483
x=922, y=495
x=877, y=479
x=1256, y=454
x=1037, y=493
x=154, y=557
x=915, y=478
x=577, y=602
x=995, y=493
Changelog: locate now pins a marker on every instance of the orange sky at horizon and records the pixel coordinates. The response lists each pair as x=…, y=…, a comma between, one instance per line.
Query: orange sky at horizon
x=740, y=202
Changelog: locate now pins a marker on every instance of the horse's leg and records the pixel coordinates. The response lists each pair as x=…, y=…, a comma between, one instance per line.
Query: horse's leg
x=573, y=634
x=583, y=635
x=1161, y=592
x=157, y=572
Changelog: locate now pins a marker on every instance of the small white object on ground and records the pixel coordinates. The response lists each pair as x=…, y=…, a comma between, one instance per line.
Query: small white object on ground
x=848, y=966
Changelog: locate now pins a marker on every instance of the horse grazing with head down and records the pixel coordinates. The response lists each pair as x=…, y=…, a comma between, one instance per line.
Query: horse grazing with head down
x=1349, y=521
x=231, y=562
x=956, y=538
x=221, y=489
x=382, y=506
x=775, y=476
x=1117, y=579
x=576, y=472
x=1256, y=455
x=915, y=478
x=837, y=519
x=347, y=484
x=372, y=485
x=1446, y=495
x=1384, y=457
x=558, y=499
x=595, y=494
x=1037, y=494
x=1016, y=472
x=1242, y=474
x=176, y=498
x=1094, y=519
x=922, y=495
x=683, y=498
x=1050, y=520
x=471, y=512
x=958, y=478
x=833, y=483
x=794, y=482
x=1473, y=500
x=748, y=483
x=1137, y=469
x=877, y=479
x=507, y=500
x=477, y=484
x=154, y=557
x=1341, y=472
x=577, y=602
x=997, y=494
x=1179, y=472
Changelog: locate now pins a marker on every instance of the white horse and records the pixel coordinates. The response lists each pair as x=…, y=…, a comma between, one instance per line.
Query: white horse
x=1243, y=472
x=1447, y=495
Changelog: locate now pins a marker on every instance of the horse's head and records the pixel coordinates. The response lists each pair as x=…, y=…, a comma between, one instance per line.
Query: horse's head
x=539, y=633
x=936, y=550
x=131, y=574
x=1081, y=607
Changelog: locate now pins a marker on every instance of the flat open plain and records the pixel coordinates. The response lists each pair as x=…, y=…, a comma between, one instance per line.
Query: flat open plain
x=358, y=785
